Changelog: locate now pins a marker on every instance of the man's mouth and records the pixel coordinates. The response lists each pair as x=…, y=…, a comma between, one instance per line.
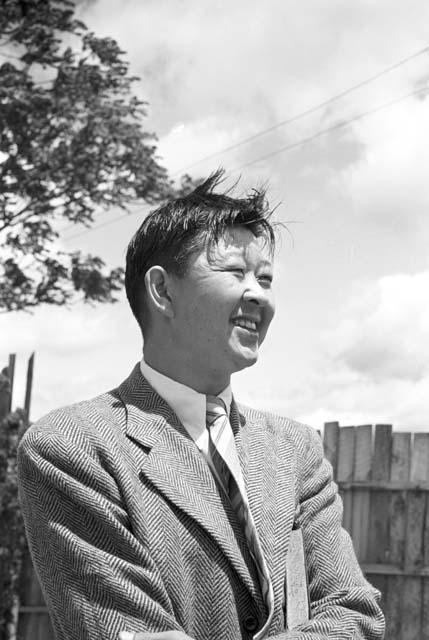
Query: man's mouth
x=245, y=323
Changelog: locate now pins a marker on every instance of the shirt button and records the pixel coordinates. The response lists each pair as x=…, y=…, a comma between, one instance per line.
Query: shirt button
x=250, y=624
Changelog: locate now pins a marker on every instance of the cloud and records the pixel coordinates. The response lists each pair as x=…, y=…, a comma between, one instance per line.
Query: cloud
x=80, y=351
x=374, y=366
x=389, y=186
x=384, y=331
x=353, y=400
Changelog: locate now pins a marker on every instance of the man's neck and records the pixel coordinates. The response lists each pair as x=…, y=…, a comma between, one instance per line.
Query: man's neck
x=180, y=370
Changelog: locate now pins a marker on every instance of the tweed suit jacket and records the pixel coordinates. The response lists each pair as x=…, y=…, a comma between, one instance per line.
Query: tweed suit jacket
x=128, y=530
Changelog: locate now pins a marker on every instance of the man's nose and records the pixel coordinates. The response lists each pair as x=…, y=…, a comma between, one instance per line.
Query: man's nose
x=256, y=294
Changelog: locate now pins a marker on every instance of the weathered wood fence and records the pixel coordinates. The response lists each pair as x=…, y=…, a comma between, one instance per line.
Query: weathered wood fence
x=13, y=549
x=383, y=478
x=28, y=617
x=384, y=481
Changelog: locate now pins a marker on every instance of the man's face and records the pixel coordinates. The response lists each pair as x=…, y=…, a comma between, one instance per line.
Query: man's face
x=224, y=304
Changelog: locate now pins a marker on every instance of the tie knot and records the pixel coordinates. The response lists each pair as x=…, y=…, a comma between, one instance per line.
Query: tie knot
x=215, y=408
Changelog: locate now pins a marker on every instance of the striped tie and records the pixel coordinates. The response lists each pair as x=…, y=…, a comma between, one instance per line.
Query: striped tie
x=224, y=459
x=217, y=421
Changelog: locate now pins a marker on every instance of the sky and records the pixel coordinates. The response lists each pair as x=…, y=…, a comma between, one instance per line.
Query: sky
x=350, y=340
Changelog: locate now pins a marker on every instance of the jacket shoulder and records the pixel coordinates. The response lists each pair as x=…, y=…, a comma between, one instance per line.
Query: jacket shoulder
x=301, y=434
x=83, y=423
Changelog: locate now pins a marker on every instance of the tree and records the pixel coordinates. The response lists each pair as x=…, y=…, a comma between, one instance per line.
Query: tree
x=71, y=143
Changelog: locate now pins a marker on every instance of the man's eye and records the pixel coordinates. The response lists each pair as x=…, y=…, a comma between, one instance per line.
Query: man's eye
x=266, y=280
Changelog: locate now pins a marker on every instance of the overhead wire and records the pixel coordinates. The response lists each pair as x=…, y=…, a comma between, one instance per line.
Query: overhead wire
x=293, y=145
x=338, y=125
x=106, y=223
x=306, y=112
x=290, y=120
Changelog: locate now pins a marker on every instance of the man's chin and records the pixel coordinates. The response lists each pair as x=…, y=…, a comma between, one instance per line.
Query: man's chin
x=245, y=358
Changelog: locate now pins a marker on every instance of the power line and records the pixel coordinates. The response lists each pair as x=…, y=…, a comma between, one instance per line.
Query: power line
x=73, y=224
x=294, y=145
x=307, y=112
x=99, y=226
x=272, y=128
x=334, y=127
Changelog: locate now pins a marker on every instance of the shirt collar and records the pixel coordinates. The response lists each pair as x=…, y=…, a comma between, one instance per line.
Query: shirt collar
x=188, y=404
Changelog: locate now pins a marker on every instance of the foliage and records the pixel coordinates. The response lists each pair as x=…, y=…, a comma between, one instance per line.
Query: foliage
x=12, y=536
x=72, y=143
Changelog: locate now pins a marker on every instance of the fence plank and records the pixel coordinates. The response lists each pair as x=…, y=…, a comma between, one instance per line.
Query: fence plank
x=361, y=473
x=420, y=469
x=345, y=464
x=330, y=443
x=34, y=621
x=419, y=462
x=379, y=506
x=35, y=625
x=425, y=598
x=4, y=392
x=378, y=549
x=11, y=375
x=412, y=605
x=399, y=472
x=413, y=587
x=29, y=386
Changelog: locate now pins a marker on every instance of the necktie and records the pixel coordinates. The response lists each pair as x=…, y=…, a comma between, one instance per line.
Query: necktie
x=226, y=464
x=217, y=422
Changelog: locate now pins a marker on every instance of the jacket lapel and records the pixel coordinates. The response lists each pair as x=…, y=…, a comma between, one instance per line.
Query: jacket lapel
x=267, y=459
x=175, y=466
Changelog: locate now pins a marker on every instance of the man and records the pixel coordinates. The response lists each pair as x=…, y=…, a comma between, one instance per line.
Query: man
x=164, y=510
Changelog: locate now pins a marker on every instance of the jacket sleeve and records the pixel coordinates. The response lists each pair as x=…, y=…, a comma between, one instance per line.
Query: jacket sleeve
x=97, y=578
x=343, y=604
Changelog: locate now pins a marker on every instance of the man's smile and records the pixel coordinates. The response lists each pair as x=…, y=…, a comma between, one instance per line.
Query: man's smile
x=248, y=323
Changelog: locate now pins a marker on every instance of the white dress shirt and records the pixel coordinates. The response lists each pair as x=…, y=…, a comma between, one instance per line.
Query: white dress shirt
x=188, y=404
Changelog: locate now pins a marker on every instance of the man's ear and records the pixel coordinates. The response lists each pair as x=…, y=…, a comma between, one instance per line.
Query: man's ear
x=158, y=283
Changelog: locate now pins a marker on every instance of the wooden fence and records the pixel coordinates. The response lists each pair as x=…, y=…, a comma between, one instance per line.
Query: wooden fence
x=14, y=554
x=383, y=478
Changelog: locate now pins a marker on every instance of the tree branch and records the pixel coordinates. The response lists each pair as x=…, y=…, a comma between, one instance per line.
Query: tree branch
x=10, y=220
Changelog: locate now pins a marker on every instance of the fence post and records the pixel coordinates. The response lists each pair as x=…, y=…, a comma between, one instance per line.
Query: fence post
x=9, y=556
x=361, y=496
x=414, y=540
x=330, y=443
x=5, y=393
x=29, y=387
x=399, y=472
x=12, y=539
x=11, y=376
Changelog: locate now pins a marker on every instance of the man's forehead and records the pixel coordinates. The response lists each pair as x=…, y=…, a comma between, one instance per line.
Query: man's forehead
x=241, y=242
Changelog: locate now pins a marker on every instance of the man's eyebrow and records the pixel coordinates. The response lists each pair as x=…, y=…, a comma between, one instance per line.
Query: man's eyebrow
x=266, y=263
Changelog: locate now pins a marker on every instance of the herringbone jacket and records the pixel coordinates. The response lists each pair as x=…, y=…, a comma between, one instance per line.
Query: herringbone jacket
x=128, y=530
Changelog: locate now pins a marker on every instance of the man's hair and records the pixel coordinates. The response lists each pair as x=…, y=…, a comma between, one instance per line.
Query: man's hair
x=172, y=233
